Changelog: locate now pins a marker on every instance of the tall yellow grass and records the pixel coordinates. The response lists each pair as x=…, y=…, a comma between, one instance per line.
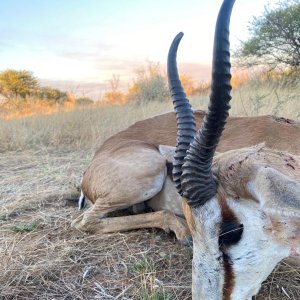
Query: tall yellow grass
x=87, y=128
x=80, y=128
x=20, y=108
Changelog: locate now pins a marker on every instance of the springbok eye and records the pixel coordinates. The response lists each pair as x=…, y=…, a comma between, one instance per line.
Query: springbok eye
x=230, y=234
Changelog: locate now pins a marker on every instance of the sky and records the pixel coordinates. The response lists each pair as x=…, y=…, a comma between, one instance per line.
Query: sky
x=88, y=41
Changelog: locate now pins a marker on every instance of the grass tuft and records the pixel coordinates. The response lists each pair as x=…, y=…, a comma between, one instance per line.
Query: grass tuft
x=25, y=227
x=143, y=266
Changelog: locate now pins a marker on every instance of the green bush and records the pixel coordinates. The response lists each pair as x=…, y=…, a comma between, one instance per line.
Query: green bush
x=84, y=101
x=149, y=85
x=51, y=94
x=15, y=84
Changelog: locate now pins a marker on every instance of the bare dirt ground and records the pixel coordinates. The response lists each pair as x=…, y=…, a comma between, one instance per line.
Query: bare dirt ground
x=42, y=257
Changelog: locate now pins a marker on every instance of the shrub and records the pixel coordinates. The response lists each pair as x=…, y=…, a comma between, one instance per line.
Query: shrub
x=52, y=95
x=82, y=101
x=15, y=84
x=149, y=85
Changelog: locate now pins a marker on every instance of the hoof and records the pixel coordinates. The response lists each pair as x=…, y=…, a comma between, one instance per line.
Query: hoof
x=187, y=241
x=77, y=223
x=85, y=224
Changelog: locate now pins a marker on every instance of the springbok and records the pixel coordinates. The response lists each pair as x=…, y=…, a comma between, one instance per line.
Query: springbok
x=241, y=206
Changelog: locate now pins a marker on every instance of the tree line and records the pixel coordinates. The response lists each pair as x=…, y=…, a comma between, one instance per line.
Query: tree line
x=22, y=84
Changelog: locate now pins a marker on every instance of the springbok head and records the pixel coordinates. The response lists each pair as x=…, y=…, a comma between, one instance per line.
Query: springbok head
x=242, y=206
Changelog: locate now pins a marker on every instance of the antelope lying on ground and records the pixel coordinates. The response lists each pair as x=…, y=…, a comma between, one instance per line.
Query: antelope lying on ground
x=241, y=207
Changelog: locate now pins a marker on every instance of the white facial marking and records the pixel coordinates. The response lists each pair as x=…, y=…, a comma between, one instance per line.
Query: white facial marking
x=208, y=273
x=256, y=254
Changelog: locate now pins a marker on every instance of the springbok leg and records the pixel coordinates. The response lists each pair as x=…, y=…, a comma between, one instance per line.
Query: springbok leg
x=160, y=219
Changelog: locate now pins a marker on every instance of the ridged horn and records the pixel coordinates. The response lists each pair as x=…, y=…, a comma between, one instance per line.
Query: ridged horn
x=186, y=126
x=197, y=180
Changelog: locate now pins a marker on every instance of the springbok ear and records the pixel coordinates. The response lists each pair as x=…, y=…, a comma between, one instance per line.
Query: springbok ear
x=167, y=152
x=276, y=192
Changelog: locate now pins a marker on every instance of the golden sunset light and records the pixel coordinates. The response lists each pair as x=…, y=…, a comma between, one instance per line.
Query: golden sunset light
x=89, y=41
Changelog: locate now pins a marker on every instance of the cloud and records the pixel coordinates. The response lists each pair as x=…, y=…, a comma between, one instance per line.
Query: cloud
x=127, y=69
x=124, y=68
x=91, y=54
x=121, y=65
x=59, y=43
x=78, y=48
x=199, y=72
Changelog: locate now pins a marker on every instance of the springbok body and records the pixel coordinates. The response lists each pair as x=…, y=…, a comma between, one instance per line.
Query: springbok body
x=241, y=206
x=131, y=168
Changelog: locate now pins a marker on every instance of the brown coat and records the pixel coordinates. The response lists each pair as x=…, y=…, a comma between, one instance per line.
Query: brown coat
x=277, y=133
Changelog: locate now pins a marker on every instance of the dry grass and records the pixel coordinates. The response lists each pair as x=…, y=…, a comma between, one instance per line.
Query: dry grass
x=19, y=108
x=79, y=129
x=41, y=257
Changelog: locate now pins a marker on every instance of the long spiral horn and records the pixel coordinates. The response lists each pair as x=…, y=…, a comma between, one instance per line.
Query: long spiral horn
x=197, y=180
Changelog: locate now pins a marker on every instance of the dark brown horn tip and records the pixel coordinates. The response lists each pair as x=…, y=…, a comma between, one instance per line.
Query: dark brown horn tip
x=172, y=65
x=179, y=36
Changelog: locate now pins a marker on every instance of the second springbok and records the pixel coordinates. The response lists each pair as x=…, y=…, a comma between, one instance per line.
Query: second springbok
x=241, y=205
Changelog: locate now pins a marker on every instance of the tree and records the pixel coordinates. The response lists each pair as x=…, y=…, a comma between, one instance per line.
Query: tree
x=114, y=95
x=17, y=83
x=149, y=85
x=275, y=37
x=52, y=95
